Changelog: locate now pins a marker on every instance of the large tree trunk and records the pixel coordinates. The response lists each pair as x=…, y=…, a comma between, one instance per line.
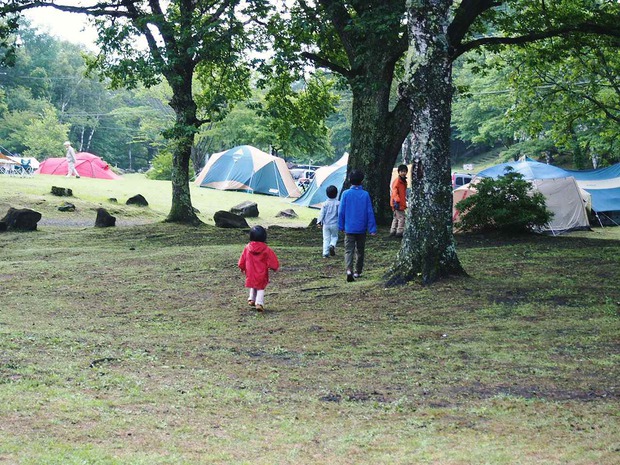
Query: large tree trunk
x=376, y=138
x=428, y=250
x=186, y=126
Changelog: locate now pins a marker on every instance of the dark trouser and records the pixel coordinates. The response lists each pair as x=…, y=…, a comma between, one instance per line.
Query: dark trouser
x=354, y=245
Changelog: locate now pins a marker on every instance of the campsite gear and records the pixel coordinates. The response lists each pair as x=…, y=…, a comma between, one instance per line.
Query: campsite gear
x=87, y=165
x=246, y=168
x=334, y=174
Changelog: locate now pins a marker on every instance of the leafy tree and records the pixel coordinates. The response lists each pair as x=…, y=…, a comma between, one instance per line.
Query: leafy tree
x=482, y=100
x=547, y=96
x=363, y=43
x=30, y=126
x=297, y=118
x=339, y=124
x=440, y=31
x=242, y=126
x=42, y=135
x=183, y=38
x=162, y=167
x=569, y=91
x=505, y=204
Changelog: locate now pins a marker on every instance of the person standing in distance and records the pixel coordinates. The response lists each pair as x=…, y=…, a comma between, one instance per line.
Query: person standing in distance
x=398, y=199
x=70, y=156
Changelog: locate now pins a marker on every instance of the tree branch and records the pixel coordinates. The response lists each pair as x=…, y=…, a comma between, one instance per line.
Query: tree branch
x=465, y=15
x=583, y=28
x=340, y=19
x=324, y=63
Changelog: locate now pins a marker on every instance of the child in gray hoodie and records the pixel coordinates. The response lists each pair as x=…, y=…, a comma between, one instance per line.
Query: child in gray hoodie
x=328, y=219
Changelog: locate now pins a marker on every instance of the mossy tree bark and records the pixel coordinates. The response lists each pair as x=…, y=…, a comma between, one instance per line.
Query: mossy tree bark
x=186, y=126
x=428, y=250
x=372, y=41
x=376, y=138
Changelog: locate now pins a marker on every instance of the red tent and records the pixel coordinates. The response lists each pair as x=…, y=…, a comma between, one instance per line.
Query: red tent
x=87, y=165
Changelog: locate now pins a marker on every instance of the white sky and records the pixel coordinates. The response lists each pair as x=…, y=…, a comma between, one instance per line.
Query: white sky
x=71, y=27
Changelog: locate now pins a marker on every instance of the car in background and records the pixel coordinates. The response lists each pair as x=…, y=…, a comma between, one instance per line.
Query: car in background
x=302, y=177
x=460, y=179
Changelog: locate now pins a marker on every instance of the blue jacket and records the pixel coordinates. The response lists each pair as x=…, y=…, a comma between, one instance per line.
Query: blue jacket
x=356, y=215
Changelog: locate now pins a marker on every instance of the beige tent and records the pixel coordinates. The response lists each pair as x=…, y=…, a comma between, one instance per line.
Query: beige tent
x=568, y=202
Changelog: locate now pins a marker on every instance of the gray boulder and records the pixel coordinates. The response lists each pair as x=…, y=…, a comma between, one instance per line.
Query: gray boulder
x=104, y=219
x=22, y=219
x=62, y=191
x=246, y=209
x=137, y=200
x=224, y=219
x=66, y=207
x=288, y=213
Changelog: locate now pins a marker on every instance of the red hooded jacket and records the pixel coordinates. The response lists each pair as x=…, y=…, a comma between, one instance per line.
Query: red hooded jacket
x=256, y=260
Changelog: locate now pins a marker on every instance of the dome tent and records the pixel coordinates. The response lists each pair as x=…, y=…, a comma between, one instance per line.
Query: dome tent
x=247, y=168
x=86, y=164
x=334, y=174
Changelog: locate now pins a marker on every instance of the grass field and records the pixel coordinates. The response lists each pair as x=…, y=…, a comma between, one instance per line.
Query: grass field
x=135, y=345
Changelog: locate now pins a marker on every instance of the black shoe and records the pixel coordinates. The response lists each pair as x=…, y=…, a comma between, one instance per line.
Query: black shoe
x=350, y=278
x=332, y=250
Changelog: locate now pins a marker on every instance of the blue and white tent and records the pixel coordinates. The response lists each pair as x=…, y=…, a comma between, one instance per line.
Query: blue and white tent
x=334, y=174
x=246, y=168
x=602, y=184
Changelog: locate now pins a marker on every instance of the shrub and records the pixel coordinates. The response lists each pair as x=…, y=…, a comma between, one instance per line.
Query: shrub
x=162, y=167
x=505, y=204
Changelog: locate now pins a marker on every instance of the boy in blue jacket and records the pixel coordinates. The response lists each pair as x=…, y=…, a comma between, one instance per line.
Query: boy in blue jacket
x=355, y=218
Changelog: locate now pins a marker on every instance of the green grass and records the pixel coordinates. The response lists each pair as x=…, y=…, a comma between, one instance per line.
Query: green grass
x=90, y=194
x=134, y=345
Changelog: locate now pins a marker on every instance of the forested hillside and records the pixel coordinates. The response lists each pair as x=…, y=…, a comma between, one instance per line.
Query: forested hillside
x=563, y=110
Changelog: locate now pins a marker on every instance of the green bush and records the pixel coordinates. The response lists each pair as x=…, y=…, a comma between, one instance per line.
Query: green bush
x=505, y=204
x=162, y=167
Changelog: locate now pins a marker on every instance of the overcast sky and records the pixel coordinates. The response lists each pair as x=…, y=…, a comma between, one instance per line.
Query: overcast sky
x=66, y=26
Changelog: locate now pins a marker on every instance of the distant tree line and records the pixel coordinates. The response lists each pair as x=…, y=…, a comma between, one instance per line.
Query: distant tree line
x=46, y=97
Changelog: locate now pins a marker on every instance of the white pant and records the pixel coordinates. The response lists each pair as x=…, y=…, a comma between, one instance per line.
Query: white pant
x=330, y=237
x=257, y=295
x=71, y=171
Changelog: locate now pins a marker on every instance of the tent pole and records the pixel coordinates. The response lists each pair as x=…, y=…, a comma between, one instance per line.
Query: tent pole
x=599, y=219
x=609, y=218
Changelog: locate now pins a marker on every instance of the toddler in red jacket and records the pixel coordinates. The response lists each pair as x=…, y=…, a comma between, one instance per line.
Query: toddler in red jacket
x=256, y=260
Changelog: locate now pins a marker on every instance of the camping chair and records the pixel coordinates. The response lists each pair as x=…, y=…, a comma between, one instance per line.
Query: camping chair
x=24, y=169
x=8, y=169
